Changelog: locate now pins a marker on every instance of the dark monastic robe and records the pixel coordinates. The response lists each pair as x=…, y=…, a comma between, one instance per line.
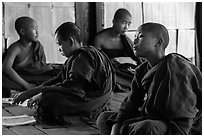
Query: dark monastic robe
x=169, y=91
x=83, y=87
x=35, y=63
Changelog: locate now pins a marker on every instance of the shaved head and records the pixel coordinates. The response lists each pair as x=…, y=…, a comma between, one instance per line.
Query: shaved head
x=23, y=22
x=69, y=29
x=157, y=30
x=121, y=13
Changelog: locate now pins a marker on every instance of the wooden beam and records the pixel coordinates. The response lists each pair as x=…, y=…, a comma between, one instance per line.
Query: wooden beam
x=81, y=14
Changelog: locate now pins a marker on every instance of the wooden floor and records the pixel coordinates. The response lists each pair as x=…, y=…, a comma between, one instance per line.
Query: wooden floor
x=79, y=128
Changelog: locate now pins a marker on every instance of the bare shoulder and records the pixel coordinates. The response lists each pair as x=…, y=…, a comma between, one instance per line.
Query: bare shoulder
x=104, y=34
x=14, y=48
x=13, y=51
x=101, y=38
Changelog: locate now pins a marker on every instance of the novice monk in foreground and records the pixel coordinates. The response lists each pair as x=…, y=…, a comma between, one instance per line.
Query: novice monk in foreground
x=166, y=91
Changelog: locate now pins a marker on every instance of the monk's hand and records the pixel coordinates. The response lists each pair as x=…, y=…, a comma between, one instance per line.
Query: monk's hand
x=33, y=102
x=19, y=98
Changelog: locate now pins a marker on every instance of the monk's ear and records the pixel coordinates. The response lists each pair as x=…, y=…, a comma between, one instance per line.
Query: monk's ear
x=160, y=42
x=22, y=31
x=72, y=41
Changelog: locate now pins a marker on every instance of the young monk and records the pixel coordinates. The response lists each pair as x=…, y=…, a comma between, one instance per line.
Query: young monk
x=166, y=91
x=118, y=47
x=24, y=57
x=84, y=85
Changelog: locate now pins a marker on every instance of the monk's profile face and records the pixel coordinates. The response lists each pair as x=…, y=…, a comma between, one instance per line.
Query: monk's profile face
x=65, y=46
x=122, y=25
x=30, y=31
x=144, y=43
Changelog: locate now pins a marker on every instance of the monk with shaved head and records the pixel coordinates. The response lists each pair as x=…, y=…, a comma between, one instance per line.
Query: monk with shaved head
x=118, y=47
x=154, y=40
x=24, y=58
x=109, y=40
x=165, y=96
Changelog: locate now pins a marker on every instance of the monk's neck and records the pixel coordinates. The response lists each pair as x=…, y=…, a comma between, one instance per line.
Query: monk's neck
x=154, y=60
x=115, y=33
x=25, y=43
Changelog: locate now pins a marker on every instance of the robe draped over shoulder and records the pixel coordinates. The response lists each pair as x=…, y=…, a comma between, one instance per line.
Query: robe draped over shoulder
x=82, y=87
x=170, y=91
x=123, y=74
x=32, y=69
x=34, y=64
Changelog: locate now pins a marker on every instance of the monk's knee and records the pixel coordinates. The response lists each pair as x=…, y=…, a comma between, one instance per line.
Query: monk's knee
x=101, y=118
x=148, y=127
x=103, y=126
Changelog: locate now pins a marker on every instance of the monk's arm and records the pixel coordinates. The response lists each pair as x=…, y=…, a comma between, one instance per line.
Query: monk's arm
x=9, y=72
x=97, y=42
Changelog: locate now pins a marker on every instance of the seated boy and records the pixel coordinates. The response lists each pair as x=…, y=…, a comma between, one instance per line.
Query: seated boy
x=118, y=47
x=24, y=58
x=84, y=85
x=166, y=91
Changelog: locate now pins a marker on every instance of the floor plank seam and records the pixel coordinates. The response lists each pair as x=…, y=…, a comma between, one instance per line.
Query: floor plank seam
x=40, y=130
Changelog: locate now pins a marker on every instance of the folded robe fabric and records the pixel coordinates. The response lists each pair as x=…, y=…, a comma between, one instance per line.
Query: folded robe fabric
x=170, y=91
x=82, y=87
x=128, y=48
x=34, y=64
x=124, y=76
